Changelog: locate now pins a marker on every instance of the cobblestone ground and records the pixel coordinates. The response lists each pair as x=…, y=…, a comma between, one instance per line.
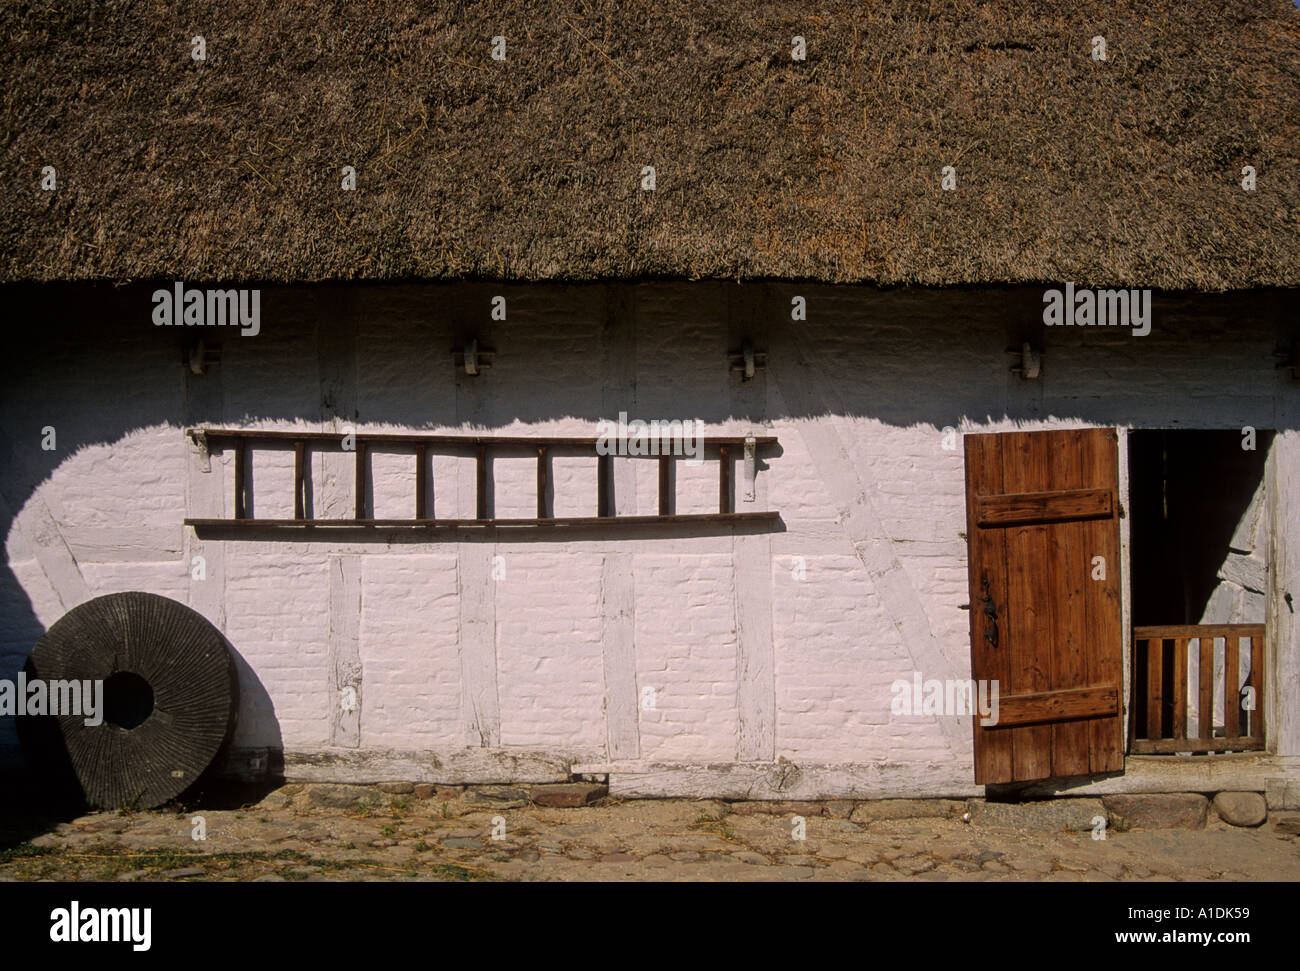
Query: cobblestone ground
x=294, y=834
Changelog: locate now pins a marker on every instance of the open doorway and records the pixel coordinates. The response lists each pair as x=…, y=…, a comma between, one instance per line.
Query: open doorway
x=1199, y=557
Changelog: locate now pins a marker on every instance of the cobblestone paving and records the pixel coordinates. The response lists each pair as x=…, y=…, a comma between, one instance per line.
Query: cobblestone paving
x=290, y=835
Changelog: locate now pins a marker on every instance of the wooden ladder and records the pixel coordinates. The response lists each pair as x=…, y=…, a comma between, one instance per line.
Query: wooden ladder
x=483, y=448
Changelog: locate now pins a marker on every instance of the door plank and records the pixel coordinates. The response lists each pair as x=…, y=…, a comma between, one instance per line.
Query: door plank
x=1029, y=595
x=988, y=560
x=1102, y=613
x=1068, y=572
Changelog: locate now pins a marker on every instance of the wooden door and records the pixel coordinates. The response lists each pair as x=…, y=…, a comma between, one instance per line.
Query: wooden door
x=1042, y=513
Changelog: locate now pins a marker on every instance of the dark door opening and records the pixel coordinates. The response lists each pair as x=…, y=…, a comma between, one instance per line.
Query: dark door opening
x=1188, y=492
x=1198, y=553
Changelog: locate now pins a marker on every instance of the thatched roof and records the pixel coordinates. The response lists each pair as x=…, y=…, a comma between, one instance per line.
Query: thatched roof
x=1124, y=171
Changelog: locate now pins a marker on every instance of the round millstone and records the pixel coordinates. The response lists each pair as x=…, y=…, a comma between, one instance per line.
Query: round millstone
x=170, y=695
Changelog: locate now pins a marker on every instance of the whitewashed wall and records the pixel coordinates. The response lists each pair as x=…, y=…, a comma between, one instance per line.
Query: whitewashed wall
x=759, y=647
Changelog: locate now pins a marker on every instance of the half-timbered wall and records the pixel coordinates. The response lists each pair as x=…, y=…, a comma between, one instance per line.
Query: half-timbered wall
x=647, y=647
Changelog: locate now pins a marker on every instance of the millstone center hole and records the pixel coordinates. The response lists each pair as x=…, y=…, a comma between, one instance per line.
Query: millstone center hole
x=128, y=700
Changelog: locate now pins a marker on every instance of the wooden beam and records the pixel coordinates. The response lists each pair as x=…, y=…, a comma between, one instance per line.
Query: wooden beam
x=143, y=544
x=1024, y=508
x=480, y=706
x=344, y=651
x=751, y=566
x=449, y=765
x=776, y=781
x=618, y=635
x=767, y=780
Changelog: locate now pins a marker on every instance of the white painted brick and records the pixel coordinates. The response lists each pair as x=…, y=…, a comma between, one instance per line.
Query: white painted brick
x=410, y=670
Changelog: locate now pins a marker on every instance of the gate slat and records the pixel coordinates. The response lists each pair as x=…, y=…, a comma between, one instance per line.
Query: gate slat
x=1231, y=686
x=1155, y=687
x=1257, y=682
x=1180, y=688
x=1205, y=704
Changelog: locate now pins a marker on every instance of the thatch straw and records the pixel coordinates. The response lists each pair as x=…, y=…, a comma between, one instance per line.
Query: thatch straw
x=1118, y=172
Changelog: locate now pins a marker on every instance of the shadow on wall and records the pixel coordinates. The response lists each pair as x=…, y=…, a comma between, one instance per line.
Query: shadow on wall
x=87, y=361
x=36, y=797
